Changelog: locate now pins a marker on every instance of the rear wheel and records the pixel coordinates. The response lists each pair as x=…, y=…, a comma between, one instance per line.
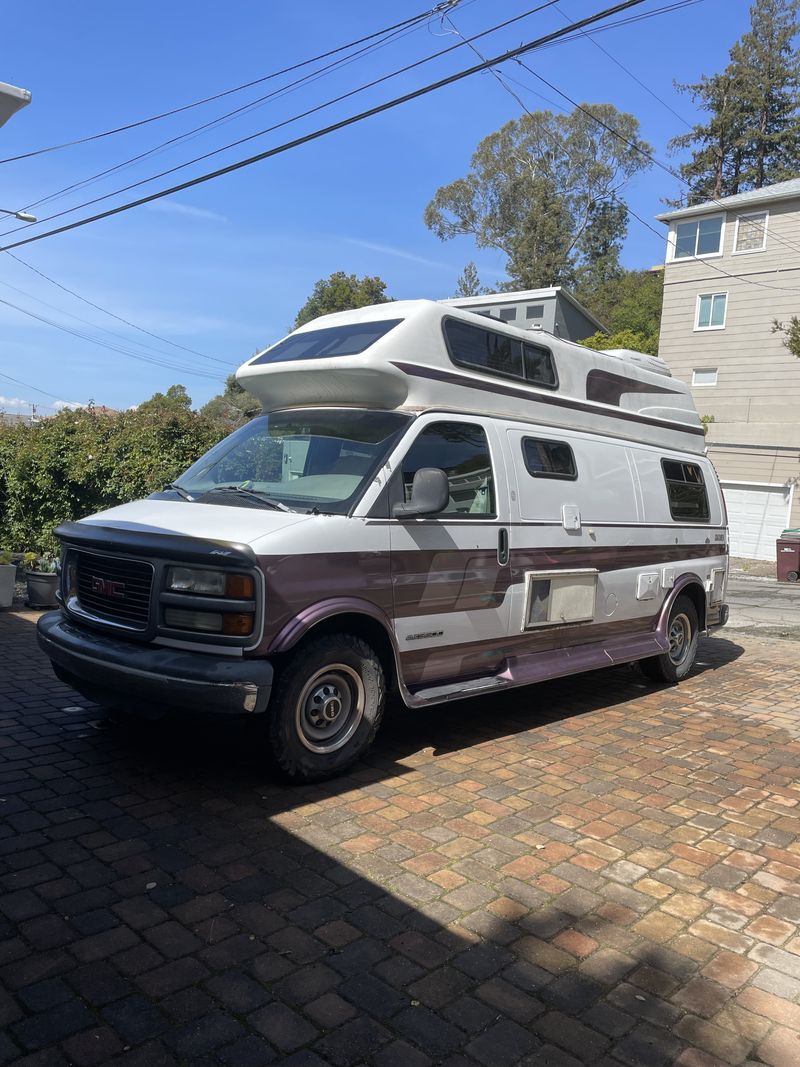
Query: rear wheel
x=682, y=634
x=792, y=576
x=326, y=707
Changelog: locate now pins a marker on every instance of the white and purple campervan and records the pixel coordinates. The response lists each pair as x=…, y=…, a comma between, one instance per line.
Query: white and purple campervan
x=431, y=502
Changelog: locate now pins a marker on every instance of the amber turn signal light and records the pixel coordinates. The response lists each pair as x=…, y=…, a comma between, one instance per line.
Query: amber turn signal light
x=239, y=587
x=237, y=625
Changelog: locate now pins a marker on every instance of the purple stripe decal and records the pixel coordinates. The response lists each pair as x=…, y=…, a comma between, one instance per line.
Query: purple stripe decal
x=418, y=371
x=603, y=387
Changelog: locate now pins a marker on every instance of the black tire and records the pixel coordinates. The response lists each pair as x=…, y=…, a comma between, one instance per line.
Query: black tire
x=326, y=708
x=683, y=633
x=792, y=576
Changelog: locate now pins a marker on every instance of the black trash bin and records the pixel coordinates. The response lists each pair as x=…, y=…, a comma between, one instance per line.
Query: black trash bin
x=788, y=556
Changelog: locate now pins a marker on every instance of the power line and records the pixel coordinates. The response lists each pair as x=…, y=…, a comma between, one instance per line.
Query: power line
x=179, y=368
x=27, y=385
x=230, y=115
x=236, y=89
x=589, y=37
x=112, y=314
x=286, y=122
x=341, y=124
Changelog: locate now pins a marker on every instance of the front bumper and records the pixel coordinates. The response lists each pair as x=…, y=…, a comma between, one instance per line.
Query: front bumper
x=140, y=677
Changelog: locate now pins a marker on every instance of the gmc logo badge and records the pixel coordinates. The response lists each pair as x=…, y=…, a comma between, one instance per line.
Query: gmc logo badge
x=106, y=588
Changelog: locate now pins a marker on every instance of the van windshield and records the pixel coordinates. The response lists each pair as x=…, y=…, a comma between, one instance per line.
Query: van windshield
x=304, y=459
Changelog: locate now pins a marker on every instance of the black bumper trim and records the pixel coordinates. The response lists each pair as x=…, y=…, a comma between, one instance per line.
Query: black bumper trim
x=99, y=666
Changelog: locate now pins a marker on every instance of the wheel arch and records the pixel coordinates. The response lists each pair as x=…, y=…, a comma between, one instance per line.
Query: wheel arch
x=344, y=615
x=690, y=586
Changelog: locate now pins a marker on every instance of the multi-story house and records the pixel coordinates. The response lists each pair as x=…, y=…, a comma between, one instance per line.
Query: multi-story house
x=733, y=269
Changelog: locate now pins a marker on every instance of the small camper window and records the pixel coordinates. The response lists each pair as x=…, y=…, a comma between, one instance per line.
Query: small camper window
x=349, y=340
x=688, y=500
x=497, y=353
x=549, y=459
x=472, y=346
x=539, y=366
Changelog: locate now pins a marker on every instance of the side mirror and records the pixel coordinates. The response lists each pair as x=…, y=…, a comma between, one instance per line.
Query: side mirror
x=430, y=494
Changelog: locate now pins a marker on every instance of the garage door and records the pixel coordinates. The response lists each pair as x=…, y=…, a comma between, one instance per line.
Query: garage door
x=757, y=515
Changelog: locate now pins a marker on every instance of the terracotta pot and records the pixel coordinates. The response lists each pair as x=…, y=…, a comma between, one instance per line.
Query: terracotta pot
x=42, y=589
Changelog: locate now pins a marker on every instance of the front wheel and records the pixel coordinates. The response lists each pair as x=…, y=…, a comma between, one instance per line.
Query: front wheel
x=792, y=576
x=682, y=634
x=326, y=707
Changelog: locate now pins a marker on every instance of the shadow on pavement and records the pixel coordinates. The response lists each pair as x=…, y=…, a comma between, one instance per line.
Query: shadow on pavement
x=489, y=887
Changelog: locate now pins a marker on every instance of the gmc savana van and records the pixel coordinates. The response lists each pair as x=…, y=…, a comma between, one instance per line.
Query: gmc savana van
x=431, y=502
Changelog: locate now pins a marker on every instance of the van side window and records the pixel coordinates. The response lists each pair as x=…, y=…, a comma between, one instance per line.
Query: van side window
x=493, y=352
x=497, y=353
x=539, y=366
x=549, y=459
x=461, y=450
x=686, y=490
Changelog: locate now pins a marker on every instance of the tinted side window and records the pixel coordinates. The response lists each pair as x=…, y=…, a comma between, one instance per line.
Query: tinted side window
x=539, y=366
x=688, y=500
x=461, y=450
x=549, y=459
x=484, y=349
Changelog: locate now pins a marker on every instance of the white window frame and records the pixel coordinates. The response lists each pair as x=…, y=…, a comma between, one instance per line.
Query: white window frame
x=751, y=251
x=705, y=370
x=704, y=329
x=673, y=240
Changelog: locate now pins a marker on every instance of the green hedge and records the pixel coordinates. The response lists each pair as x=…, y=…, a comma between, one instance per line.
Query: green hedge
x=83, y=461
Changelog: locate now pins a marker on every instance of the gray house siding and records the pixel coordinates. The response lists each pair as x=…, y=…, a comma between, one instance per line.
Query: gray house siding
x=553, y=310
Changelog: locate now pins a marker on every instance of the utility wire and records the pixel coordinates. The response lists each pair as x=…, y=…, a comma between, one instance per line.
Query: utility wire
x=294, y=118
x=589, y=37
x=236, y=89
x=111, y=314
x=341, y=124
x=81, y=335
x=85, y=322
x=27, y=385
x=228, y=116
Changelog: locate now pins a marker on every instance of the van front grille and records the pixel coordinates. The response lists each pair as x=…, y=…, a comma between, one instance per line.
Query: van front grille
x=114, y=589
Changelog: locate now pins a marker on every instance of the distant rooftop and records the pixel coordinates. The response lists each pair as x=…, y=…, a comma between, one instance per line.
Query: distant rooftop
x=780, y=191
x=519, y=296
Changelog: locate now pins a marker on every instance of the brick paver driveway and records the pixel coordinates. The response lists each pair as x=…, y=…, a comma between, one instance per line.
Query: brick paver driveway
x=590, y=871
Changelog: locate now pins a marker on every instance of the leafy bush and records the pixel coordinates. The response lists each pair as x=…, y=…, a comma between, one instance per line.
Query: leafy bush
x=83, y=461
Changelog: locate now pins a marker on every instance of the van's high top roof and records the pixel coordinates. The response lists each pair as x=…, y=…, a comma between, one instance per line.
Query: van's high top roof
x=419, y=354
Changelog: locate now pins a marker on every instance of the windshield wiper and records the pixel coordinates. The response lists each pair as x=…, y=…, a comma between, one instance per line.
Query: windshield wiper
x=251, y=494
x=179, y=490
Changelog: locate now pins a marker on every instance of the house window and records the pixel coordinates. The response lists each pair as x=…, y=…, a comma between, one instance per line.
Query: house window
x=751, y=232
x=711, y=310
x=688, y=500
x=704, y=376
x=534, y=311
x=508, y=314
x=700, y=237
x=549, y=459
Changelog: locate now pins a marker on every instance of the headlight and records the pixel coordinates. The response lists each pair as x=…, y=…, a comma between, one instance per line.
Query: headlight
x=210, y=583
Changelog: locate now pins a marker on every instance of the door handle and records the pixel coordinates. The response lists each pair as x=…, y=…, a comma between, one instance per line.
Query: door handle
x=502, y=546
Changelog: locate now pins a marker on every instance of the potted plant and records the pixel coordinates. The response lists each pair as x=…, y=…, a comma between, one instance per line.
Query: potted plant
x=42, y=578
x=8, y=576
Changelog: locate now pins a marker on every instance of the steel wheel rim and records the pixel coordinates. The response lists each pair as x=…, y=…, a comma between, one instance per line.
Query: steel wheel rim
x=680, y=639
x=330, y=708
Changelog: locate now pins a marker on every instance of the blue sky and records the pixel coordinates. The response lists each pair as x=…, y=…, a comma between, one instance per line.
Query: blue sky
x=222, y=269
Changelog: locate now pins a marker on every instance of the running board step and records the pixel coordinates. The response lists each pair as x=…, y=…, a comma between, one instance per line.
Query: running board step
x=543, y=666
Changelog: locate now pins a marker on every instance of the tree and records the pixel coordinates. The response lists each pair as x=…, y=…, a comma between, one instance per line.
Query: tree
x=231, y=408
x=341, y=292
x=544, y=189
x=629, y=301
x=791, y=334
x=752, y=135
x=638, y=342
x=469, y=284
x=174, y=401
